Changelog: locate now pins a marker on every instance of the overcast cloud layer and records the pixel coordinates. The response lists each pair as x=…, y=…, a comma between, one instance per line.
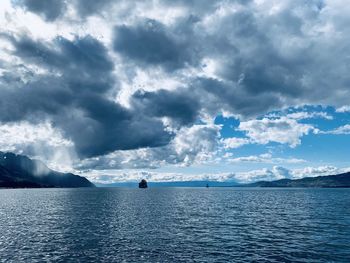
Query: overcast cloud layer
x=104, y=85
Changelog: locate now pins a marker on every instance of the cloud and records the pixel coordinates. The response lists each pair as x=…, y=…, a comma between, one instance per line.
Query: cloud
x=318, y=171
x=177, y=105
x=255, y=62
x=40, y=141
x=338, y=131
x=197, y=143
x=232, y=143
x=265, y=158
x=48, y=9
x=219, y=95
x=191, y=145
x=90, y=7
x=265, y=174
x=16, y=135
x=282, y=130
x=302, y=115
x=51, y=10
x=74, y=96
x=343, y=109
x=81, y=72
x=151, y=43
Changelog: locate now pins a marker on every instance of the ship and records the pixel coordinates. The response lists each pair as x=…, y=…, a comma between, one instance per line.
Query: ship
x=143, y=184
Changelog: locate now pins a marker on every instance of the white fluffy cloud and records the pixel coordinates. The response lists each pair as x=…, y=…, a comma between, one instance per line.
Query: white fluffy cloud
x=317, y=171
x=343, y=109
x=196, y=144
x=234, y=142
x=265, y=174
x=265, y=158
x=15, y=135
x=338, y=131
x=309, y=115
x=281, y=127
x=283, y=130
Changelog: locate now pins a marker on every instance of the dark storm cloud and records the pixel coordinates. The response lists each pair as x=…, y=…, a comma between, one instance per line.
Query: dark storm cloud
x=83, y=60
x=150, y=43
x=264, y=69
x=178, y=105
x=33, y=101
x=103, y=126
x=247, y=56
x=89, y=7
x=254, y=74
x=215, y=96
x=51, y=10
x=48, y=9
x=73, y=96
x=201, y=7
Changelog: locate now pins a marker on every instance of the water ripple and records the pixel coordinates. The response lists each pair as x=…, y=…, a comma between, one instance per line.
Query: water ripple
x=175, y=225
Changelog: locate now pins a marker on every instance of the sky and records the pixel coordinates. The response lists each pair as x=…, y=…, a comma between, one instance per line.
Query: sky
x=240, y=90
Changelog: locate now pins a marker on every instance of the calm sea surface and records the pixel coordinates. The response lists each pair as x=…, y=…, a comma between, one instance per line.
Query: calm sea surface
x=175, y=225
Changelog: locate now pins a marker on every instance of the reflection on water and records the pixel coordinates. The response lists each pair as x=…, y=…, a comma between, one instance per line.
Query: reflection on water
x=175, y=225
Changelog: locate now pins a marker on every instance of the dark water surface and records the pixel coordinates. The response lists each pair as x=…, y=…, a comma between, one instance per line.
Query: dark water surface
x=175, y=225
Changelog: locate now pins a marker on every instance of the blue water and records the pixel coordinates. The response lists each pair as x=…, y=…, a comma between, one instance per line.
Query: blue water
x=175, y=225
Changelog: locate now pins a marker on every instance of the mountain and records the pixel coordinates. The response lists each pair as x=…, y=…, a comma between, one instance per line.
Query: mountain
x=331, y=181
x=172, y=184
x=18, y=171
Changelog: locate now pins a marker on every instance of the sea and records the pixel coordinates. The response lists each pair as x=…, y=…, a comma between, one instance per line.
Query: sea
x=175, y=225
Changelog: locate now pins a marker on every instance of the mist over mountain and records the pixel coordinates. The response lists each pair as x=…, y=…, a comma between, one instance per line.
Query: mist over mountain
x=18, y=171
